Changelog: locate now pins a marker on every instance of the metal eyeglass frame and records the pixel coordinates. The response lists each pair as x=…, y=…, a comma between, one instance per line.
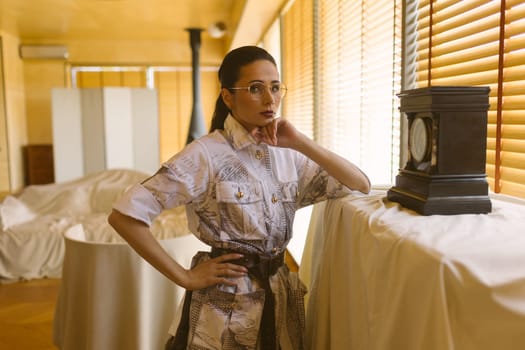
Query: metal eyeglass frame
x=258, y=94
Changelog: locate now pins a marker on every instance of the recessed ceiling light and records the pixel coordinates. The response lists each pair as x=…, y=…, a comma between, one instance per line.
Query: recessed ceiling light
x=217, y=29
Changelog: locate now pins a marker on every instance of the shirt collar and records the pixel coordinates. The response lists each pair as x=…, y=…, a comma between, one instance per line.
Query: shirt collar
x=237, y=134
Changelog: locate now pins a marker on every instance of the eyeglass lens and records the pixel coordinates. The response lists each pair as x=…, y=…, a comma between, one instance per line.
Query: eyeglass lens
x=257, y=89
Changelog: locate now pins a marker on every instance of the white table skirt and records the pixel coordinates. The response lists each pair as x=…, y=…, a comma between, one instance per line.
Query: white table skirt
x=110, y=298
x=383, y=277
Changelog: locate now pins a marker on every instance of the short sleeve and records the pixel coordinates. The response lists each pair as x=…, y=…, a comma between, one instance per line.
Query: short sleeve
x=180, y=180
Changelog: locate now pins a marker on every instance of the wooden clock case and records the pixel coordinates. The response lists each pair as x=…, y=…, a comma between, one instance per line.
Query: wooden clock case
x=451, y=178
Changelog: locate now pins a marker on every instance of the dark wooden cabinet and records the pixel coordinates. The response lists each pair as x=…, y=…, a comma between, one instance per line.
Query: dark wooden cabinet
x=38, y=164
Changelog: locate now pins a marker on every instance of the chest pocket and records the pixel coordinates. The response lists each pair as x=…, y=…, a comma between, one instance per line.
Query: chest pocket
x=241, y=208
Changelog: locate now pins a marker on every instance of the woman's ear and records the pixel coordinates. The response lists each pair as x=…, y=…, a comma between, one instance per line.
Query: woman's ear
x=227, y=98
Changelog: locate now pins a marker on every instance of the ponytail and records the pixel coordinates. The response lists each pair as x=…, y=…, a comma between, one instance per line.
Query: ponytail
x=219, y=115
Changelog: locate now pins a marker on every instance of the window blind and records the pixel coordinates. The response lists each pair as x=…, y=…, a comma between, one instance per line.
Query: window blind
x=342, y=64
x=174, y=88
x=175, y=95
x=298, y=65
x=482, y=43
x=95, y=77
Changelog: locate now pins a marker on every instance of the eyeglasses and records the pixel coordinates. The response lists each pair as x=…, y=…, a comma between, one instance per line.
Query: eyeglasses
x=257, y=89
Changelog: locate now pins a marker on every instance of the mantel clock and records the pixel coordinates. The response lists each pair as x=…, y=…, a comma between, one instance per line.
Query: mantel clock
x=447, y=140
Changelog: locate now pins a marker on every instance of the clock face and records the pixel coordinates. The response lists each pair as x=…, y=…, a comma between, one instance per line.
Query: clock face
x=419, y=139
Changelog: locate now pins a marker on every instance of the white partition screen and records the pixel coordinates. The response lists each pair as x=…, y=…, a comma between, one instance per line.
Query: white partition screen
x=104, y=128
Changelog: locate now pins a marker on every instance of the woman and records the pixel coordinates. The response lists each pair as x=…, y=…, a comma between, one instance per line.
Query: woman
x=241, y=185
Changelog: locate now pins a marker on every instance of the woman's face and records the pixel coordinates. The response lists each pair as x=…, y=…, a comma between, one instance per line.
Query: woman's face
x=252, y=110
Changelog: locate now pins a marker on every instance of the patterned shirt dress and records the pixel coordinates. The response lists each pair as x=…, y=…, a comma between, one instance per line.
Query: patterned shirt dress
x=241, y=196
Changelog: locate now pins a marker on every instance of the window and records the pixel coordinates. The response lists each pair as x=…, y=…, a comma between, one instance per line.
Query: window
x=342, y=64
x=298, y=65
x=482, y=43
x=95, y=77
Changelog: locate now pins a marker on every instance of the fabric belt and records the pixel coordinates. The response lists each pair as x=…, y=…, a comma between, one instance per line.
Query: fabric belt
x=261, y=267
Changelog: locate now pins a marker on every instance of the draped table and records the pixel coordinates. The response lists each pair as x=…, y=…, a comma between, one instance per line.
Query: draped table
x=384, y=277
x=110, y=298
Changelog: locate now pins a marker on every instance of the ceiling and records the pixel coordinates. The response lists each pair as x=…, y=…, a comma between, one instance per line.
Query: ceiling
x=35, y=21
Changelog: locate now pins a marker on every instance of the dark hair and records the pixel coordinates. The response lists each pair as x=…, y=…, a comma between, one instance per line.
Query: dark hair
x=229, y=72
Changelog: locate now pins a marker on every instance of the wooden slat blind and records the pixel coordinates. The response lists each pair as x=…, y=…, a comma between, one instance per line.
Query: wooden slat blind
x=482, y=43
x=174, y=88
x=298, y=65
x=342, y=64
x=110, y=78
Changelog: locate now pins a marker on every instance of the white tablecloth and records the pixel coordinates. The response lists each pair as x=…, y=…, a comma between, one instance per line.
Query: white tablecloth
x=110, y=298
x=383, y=277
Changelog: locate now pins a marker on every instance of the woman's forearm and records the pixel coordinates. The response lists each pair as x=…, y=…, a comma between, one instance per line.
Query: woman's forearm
x=208, y=273
x=340, y=168
x=139, y=237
